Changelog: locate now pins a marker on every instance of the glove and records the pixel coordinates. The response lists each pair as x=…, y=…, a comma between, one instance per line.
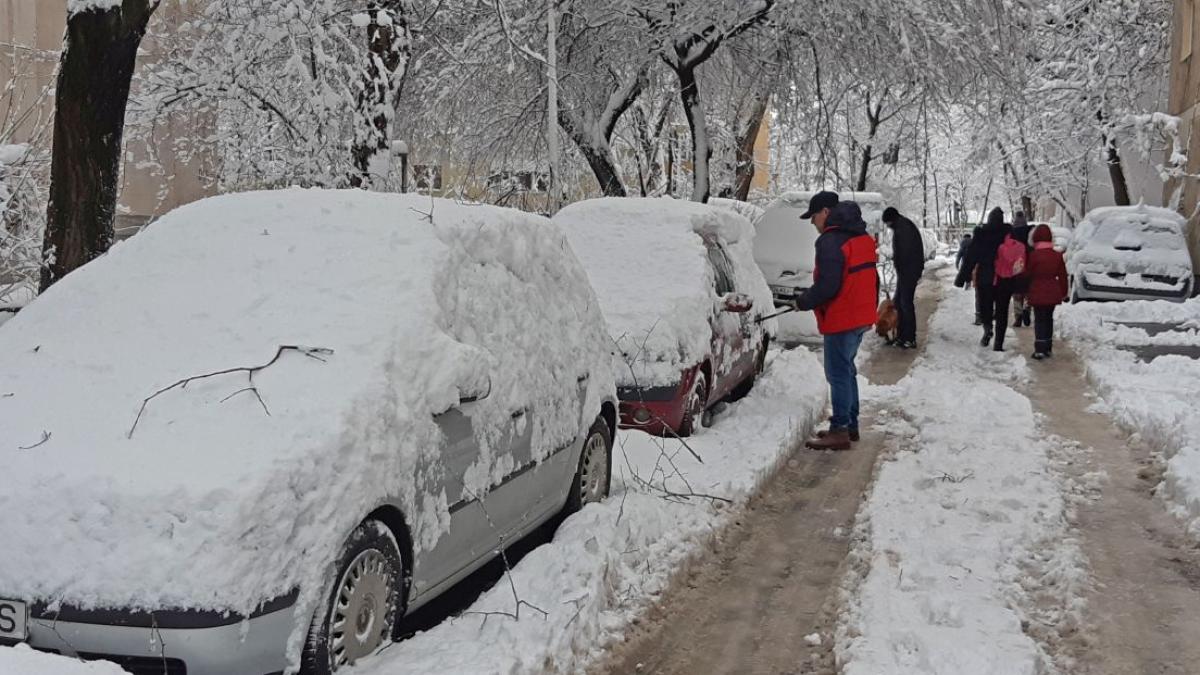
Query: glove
x=960, y=283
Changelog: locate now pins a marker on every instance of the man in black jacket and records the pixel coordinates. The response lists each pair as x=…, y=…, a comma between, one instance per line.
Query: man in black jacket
x=908, y=257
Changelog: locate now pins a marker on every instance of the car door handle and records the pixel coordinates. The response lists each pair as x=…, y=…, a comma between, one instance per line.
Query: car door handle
x=518, y=414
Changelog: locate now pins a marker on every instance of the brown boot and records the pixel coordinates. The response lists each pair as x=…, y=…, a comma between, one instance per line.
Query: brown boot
x=834, y=439
x=854, y=436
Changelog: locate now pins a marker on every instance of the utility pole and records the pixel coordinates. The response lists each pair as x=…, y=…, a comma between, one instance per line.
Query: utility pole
x=552, y=103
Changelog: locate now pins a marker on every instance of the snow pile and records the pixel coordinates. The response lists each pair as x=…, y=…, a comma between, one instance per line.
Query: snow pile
x=966, y=521
x=399, y=305
x=608, y=563
x=648, y=262
x=1155, y=400
x=21, y=660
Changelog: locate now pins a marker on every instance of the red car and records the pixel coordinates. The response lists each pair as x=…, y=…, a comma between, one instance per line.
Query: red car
x=679, y=287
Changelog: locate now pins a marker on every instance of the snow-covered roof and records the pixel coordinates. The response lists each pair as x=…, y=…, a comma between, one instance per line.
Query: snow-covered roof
x=648, y=263
x=224, y=495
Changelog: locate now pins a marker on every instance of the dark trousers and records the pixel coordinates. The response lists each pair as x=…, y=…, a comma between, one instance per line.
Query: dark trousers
x=1043, y=329
x=906, y=308
x=993, y=305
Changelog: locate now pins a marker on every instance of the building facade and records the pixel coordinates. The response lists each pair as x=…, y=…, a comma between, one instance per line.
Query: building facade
x=1184, y=100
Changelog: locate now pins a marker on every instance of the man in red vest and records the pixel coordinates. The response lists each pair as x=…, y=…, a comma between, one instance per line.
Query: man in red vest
x=843, y=296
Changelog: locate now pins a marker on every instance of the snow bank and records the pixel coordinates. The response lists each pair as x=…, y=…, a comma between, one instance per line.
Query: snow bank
x=212, y=502
x=1156, y=400
x=648, y=263
x=608, y=563
x=21, y=660
x=964, y=523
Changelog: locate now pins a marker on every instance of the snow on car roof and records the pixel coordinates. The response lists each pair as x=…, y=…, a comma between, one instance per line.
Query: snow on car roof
x=649, y=266
x=220, y=490
x=1138, y=238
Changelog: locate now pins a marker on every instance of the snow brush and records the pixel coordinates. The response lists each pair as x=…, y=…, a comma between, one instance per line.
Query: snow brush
x=772, y=316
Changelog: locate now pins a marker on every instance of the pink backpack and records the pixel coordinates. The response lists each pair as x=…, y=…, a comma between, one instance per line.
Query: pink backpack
x=1010, y=259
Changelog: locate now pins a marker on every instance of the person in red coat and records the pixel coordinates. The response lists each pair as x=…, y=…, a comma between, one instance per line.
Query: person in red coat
x=1047, y=275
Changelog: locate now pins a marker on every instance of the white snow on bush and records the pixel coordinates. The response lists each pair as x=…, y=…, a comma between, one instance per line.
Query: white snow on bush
x=21, y=660
x=212, y=502
x=1156, y=400
x=965, y=520
x=77, y=6
x=648, y=263
x=608, y=563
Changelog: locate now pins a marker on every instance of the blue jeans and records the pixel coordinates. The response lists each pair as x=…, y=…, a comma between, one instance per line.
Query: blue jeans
x=842, y=375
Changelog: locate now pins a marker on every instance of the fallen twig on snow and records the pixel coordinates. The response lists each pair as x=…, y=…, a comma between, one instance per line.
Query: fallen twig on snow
x=45, y=437
x=315, y=353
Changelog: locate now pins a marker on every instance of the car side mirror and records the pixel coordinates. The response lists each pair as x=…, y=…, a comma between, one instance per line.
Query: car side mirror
x=737, y=303
x=477, y=391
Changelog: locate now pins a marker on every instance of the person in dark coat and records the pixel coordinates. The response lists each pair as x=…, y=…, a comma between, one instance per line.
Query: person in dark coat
x=962, y=250
x=843, y=296
x=908, y=257
x=1047, y=289
x=994, y=294
x=1020, y=231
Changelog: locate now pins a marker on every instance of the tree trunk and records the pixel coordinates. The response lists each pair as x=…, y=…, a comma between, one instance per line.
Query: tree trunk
x=96, y=68
x=1116, y=173
x=746, y=165
x=602, y=166
x=388, y=48
x=689, y=95
x=863, y=168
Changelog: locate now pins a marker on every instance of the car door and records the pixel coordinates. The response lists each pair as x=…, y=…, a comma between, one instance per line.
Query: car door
x=729, y=343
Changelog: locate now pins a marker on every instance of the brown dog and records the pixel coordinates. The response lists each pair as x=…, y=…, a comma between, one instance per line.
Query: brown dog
x=888, y=322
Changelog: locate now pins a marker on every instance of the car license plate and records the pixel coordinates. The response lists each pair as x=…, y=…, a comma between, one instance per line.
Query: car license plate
x=782, y=290
x=14, y=621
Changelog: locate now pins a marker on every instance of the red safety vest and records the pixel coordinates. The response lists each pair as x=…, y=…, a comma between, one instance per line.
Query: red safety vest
x=854, y=305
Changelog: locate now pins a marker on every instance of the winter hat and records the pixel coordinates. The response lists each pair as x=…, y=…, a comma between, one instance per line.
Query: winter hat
x=890, y=215
x=1042, y=233
x=996, y=218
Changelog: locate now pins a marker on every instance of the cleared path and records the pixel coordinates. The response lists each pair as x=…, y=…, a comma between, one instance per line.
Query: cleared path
x=773, y=577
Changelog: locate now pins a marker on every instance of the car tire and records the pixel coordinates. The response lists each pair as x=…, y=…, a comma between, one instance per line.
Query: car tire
x=695, y=411
x=368, y=589
x=593, y=475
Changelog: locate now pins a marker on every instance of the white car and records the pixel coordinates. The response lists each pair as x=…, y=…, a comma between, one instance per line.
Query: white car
x=751, y=212
x=1130, y=253
x=254, y=435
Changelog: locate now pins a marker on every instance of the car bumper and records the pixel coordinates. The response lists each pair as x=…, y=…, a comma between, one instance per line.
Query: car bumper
x=655, y=410
x=1090, y=289
x=180, y=645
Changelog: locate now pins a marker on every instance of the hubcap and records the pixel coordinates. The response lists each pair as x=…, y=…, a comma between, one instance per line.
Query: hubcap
x=362, y=615
x=593, y=474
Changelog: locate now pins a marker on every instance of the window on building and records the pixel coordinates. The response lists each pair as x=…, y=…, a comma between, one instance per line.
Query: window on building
x=427, y=176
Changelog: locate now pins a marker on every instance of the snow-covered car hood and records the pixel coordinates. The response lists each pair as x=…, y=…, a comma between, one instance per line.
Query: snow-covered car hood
x=648, y=263
x=223, y=495
x=1131, y=240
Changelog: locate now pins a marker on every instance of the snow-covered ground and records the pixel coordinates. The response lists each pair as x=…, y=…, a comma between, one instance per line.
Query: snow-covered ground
x=1155, y=400
x=21, y=660
x=608, y=563
x=966, y=521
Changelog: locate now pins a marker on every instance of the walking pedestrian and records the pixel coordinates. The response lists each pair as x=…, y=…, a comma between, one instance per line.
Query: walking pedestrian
x=962, y=250
x=994, y=293
x=843, y=295
x=1047, y=289
x=1021, y=311
x=908, y=257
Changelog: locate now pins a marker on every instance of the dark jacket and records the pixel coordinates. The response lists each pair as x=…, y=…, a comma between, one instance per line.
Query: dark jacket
x=908, y=251
x=962, y=251
x=1021, y=230
x=845, y=222
x=1047, y=271
x=982, y=251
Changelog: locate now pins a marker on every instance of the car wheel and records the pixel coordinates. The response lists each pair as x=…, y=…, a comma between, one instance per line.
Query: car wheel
x=695, y=414
x=363, y=602
x=594, y=474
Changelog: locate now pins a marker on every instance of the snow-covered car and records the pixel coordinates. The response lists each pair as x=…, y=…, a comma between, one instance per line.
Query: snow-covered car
x=682, y=296
x=252, y=437
x=785, y=246
x=751, y=212
x=1130, y=253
